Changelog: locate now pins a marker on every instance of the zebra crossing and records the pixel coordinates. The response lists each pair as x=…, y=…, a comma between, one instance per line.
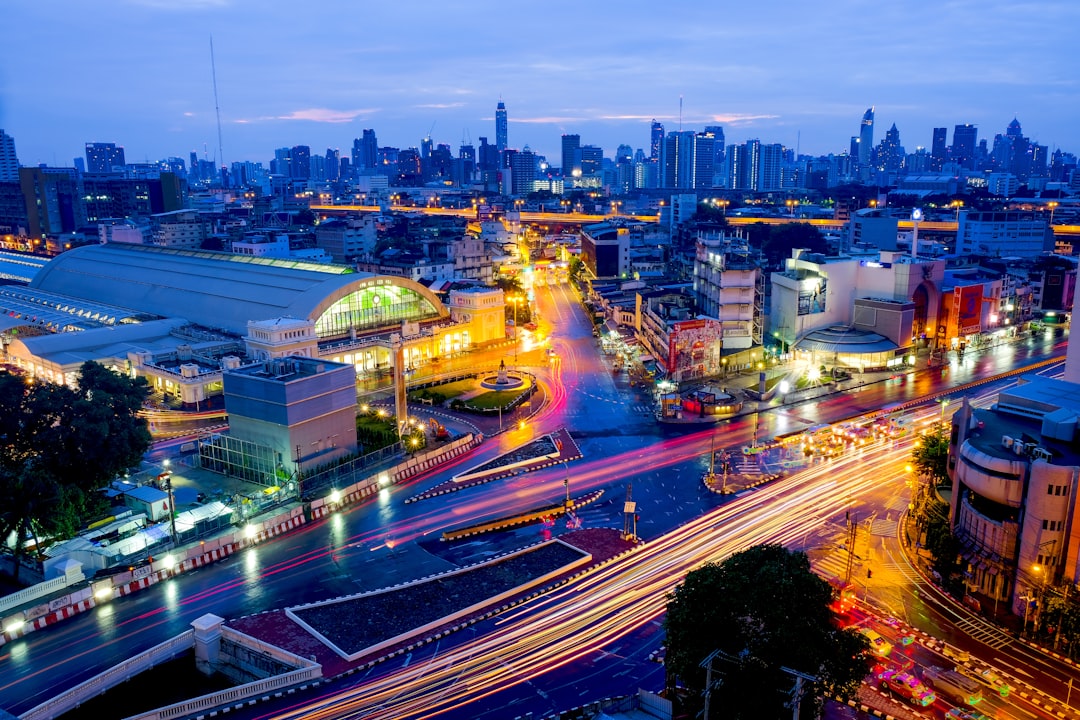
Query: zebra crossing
x=984, y=632
x=882, y=527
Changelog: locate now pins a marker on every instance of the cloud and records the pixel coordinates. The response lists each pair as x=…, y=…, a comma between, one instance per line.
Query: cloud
x=740, y=119
x=441, y=106
x=325, y=115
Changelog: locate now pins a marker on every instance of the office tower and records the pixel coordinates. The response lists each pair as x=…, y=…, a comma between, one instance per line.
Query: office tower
x=866, y=142
x=9, y=163
x=962, y=151
x=300, y=162
x=717, y=134
x=937, y=149
x=465, y=167
x=103, y=157
x=891, y=153
x=522, y=171
x=571, y=155
x=333, y=164
x=280, y=164
x=656, y=140
x=500, y=127
x=365, y=151
x=54, y=200
x=194, y=177
x=592, y=159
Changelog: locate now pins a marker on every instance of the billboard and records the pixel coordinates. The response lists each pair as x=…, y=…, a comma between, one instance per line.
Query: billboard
x=969, y=315
x=694, y=348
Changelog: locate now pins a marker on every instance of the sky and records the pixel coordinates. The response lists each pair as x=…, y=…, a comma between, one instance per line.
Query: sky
x=138, y=72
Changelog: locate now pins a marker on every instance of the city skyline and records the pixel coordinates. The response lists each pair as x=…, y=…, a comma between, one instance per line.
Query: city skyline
x=288, y=79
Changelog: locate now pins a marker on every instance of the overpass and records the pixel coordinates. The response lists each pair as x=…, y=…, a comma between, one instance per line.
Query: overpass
x=576, y=218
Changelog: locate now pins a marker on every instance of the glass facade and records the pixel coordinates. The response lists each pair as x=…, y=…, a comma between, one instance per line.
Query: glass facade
x=371, y=308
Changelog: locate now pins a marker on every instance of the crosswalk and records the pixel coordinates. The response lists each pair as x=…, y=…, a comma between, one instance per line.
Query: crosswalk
x=984, y=632
x=883, y=528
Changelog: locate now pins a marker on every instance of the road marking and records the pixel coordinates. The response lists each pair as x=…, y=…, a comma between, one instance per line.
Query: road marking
x=987, y=634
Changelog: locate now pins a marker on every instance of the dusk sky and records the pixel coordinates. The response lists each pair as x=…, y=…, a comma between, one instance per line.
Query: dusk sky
x=137, y=72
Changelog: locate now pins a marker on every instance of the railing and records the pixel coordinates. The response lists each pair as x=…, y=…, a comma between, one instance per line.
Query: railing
x=35, y=591
x=112, y=677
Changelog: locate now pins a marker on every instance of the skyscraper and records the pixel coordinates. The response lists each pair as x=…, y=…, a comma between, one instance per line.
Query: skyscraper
x=500, y=127
x=571, y=154
x=592, y=159
x=688, y=160
x=866, y=140
x=103, y=157
x=333, y=164
x=753, y=166
x=937, y=149
x=300, y=162
x=963, y=145
x=716, y=132
x=9, y=163
x=365, y=152
x=656, y=140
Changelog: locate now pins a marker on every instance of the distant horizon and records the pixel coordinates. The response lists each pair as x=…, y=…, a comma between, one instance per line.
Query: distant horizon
x=137, y=73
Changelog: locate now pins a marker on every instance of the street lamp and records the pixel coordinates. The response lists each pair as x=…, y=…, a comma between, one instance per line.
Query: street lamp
x=791, y=203
x=1053, y=206
x=957, y=204
x=944, y=402
x=515, y=300
x=723, y=205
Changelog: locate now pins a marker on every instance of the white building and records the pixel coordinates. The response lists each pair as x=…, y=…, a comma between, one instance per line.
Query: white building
x=1001, y=234
x=728, y=286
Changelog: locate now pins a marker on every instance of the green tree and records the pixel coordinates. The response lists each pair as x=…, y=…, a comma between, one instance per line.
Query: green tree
x=760, y=610
x=511, y=286
x=782, y=239
x=62, y=445
x=575, y=269
x=931, y=456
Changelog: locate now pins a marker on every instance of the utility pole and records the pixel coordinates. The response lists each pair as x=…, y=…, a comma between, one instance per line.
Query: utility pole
x=852, y=529
x=629, y=514
x=797, y=691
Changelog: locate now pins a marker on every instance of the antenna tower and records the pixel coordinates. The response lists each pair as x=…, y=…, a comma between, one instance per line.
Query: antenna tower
x=680, y=113
x=217, y=107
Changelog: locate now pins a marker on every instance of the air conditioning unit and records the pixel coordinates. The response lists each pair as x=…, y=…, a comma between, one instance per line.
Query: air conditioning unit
x=1018, y=447
x=1006, y=442
x=1041, y=454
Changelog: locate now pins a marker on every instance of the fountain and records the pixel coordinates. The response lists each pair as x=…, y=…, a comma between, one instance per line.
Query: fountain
x=502, y=380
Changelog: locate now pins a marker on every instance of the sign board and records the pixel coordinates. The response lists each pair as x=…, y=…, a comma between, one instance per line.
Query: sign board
x=141, y=572
x=60, y=602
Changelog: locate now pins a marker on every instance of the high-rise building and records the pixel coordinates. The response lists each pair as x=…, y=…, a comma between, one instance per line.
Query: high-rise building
x=656, y=140
x=522, y=171
x=103, y=157
x=753, y=166
x=962, y=151
x=365, y=151
x=866, y=142
x=54, y=200
x=717, y=134
x=9, y=163
x=688, y=160
x=280, y=165
x=500, y=127
x=333, y=164
x=571, y=154
x=891, y=152
x=592, y=159
x=938, y=149
x=300, y=162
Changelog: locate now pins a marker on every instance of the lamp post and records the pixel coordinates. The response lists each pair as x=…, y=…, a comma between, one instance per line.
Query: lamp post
x=1053, y=206
x=791, y=203
x=944, y=402
x=172, y=508
x=957, y=204
x=515, y=300
x=723, y=205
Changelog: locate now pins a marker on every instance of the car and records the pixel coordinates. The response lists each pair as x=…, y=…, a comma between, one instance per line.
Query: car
x=878, y=645
x=989, y=678
x=954, y=653
x=965, y=714
x=906, y=686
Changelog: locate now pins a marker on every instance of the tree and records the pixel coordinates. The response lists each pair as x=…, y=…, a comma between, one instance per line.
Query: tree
x=931, y=456
x=62, y=445
x=782, y=239
x=521, y=312
x=760, y=610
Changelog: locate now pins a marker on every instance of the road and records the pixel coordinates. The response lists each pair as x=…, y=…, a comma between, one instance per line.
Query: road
x=388, y=541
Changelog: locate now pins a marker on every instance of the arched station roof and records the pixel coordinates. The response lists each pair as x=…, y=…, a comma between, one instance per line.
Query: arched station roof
x=219, y=290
